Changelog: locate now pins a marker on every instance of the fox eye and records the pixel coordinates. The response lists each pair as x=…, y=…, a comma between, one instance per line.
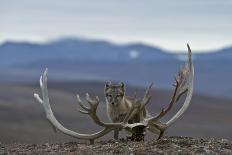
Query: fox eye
x=110, y=96
x=118, y=96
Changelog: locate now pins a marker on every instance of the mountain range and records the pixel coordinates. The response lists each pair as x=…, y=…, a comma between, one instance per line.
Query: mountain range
x=138, y=64
x=78, y=50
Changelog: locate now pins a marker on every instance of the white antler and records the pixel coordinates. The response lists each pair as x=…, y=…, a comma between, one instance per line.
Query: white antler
x=91, y=111
x=187, y=86
x=183, y=83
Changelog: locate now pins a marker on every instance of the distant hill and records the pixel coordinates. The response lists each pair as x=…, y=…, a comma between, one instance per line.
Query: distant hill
x=137, y=64
x=78, y=50
x=221, y=54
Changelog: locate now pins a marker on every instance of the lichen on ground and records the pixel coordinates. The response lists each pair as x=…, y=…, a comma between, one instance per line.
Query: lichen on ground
x=166, y=145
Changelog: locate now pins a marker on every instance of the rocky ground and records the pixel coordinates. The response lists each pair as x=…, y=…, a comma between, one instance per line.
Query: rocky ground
x=167, y=145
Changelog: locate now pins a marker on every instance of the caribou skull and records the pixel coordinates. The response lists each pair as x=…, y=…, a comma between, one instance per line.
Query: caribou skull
x=183, y=84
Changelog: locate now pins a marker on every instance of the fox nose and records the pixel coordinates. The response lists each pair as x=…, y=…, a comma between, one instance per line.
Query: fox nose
x=112, y=103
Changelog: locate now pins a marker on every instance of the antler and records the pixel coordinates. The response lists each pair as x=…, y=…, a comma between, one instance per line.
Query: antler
x=183, y=84
x=147, y=97
x=91, y=111
x=178, y=92
x=143, y=102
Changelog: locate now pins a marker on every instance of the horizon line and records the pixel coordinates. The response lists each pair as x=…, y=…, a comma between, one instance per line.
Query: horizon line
x=110, y=41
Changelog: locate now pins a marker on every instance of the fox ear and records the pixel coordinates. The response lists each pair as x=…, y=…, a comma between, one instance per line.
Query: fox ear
x=122, y=85
x=107, y=85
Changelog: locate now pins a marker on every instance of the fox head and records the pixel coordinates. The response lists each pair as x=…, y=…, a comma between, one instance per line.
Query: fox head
x=114, y=93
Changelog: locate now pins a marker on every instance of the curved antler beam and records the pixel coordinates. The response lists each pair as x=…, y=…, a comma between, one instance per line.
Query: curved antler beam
x=188, y=86
x=91, y=111
x=183, y=83
x=51, y=118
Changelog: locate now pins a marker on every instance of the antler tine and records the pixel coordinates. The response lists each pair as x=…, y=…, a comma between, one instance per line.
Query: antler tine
x=92, y=112
x=148, y=90
x=143, y=102
x=183, y=83
x=92, y=102
x=181, y=86
x=189, y=69
x=164, y=111
x=147, y=97
x=129, y=114
x=80, y=103
x=89, y=99
x=181, y=93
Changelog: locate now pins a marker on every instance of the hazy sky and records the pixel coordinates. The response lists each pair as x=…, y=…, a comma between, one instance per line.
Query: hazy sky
x=205, y=24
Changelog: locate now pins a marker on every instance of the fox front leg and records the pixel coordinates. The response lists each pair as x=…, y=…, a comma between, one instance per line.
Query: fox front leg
x=116, y=134
x=118, y=119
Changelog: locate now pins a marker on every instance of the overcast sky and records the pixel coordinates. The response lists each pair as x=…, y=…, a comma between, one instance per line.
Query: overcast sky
x=205, y=24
